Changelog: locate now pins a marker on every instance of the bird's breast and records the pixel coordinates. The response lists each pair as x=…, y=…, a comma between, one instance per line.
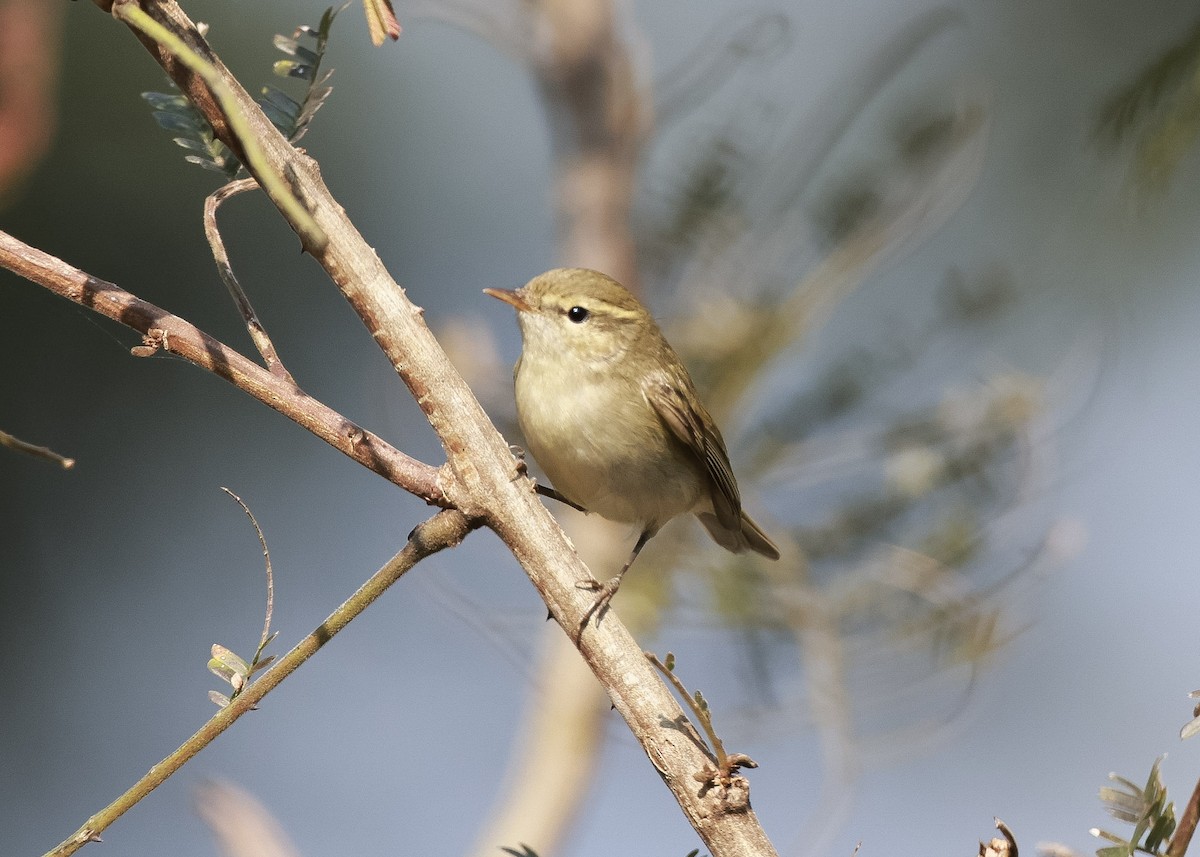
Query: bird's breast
x=602, y=445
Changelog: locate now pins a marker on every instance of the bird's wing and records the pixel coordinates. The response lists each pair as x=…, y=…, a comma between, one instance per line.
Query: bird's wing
x=694, y=428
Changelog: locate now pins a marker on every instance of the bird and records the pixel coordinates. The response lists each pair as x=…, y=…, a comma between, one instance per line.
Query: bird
x=612, y=417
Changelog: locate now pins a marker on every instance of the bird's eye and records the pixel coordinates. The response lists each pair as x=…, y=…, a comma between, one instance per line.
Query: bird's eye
x=578, y=314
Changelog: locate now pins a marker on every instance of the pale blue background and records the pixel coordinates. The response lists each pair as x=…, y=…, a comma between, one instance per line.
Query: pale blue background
x=116, y=577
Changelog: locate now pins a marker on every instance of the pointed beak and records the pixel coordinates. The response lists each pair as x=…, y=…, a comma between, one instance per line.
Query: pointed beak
x=510, y=296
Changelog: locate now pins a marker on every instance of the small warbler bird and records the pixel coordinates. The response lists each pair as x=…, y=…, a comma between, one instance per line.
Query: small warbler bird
x=612, y=417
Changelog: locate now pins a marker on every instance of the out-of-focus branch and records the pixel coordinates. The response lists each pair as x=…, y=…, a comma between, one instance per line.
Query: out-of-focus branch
x=167, y=332
x=446, y=529
x=598, y=120
x=29, y=53
x=240, y=824
x=480, y=478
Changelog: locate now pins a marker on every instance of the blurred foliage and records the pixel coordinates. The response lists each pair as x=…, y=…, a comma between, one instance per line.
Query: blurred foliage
x=1158, y=111
x=1146, y=808
x=291, y=118
x=381, y=21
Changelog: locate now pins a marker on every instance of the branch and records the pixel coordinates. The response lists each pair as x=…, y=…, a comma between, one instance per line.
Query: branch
x=1187, y=826
x=171, y=333
x=480, y=478
x=36, y=451
x=258, y=333
x=598, y=119
x=446, y=529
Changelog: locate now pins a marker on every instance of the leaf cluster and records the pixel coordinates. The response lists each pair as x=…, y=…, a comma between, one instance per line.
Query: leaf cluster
x=1146, y=808
x=291, y=117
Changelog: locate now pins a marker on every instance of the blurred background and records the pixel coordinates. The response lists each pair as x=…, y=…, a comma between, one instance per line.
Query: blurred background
x=935, y=268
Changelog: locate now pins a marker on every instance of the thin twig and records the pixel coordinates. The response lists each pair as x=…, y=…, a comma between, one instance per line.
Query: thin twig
x=258, y=333
x=446, y=529
x=266, y=632
x=171, y=333
x=45, y=452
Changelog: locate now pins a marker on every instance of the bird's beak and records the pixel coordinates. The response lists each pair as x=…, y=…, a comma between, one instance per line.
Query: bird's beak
x=510, y=296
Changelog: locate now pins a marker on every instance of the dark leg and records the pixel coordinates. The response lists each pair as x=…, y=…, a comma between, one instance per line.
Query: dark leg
x=609, y=588
x=547, y=491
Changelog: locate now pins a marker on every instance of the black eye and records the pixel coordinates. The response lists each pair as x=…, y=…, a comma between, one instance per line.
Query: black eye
x=578, y=314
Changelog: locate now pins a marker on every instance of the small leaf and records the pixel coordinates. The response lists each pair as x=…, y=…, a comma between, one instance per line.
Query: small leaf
x=218, y=699
x=229, y=658
x=381, y=21
x=262, y=665
x=209, y=164
x=280, y=99
x=165, y=100
x=291, y=68
x=286, y=123
x=286, y=45
x=179, y=122
x=1190, y=729
x=194, y=145
x=221, y=671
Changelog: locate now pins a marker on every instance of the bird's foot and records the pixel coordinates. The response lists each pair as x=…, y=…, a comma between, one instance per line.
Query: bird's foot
x=604, y=594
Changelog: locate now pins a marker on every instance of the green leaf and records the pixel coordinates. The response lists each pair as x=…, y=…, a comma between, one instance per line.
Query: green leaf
x=262, y=665
x=221, y=671
x=230, y=658
x=166, y=100
x=291, y=68
x=181, y=123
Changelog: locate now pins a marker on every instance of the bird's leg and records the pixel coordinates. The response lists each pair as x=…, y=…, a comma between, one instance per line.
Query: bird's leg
x=609, y=588
x=547, y=491
x=544, y=490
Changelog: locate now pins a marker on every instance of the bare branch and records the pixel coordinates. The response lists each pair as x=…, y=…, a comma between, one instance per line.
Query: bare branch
x=171, y=333
x=446, y=529
x=45, y=452
x=258, y=333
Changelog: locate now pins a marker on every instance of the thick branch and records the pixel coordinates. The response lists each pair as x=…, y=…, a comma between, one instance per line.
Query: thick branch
x=171, y=333
x=446, y=529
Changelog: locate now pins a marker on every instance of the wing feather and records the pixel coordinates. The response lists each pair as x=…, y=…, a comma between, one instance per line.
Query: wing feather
x=690, y=423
